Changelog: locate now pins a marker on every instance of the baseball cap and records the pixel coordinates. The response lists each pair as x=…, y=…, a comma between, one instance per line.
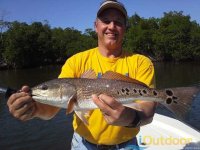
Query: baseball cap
x=112, y=4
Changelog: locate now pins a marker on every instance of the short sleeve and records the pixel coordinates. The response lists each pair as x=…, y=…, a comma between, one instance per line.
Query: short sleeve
x=145, y=72
x=68, y=69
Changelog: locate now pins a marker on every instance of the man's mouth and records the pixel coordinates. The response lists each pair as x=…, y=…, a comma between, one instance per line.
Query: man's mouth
x=111, y=34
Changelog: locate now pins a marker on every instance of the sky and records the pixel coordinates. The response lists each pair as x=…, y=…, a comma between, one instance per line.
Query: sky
x=80, y=14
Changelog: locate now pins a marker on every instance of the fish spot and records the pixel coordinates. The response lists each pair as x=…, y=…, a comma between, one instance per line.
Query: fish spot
x=140, y=92
x=118, y=92
x=123, y=90
x=127, y=90
x=107, y=85
x=127, y=93
x=168, y=100
x=169, y=92
x=175, y=102
x=174, y=97
x=155, y=93
x=144, y=91
x=134, y=90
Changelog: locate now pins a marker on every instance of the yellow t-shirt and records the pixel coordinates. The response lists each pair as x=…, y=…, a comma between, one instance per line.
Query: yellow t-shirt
x=133, y=65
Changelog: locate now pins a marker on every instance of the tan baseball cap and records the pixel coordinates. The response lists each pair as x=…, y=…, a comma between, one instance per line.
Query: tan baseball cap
x=112, y=4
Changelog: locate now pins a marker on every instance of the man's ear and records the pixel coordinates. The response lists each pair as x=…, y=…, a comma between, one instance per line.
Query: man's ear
x=95, y=25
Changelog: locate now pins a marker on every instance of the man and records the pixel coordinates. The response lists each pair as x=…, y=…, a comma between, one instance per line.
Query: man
x=113, y=126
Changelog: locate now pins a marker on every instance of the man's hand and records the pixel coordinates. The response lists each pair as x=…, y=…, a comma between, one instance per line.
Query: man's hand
x=21, y=105
x=113, y=111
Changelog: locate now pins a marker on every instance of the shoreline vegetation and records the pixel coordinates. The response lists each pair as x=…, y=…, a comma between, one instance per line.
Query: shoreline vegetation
x=174, y=37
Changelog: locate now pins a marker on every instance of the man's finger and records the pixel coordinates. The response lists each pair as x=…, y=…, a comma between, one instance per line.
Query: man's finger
x=25, y=88
x=20, y=102
x=28, y=115
x=110, y=101
x=101, y=105
x=15, y=96
x=25, y=109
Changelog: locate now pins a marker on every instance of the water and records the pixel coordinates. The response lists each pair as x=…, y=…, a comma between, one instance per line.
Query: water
x=55, y=134
x=36, y=134
x=176, y=75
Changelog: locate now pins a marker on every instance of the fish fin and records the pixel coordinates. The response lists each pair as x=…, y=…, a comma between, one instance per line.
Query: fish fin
x=133, y=106
x=179, y=100
x=82, y=115
x=90, y=74
x=117, y=76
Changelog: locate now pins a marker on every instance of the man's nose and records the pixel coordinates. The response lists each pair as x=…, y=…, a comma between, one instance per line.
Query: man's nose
x=111, y=25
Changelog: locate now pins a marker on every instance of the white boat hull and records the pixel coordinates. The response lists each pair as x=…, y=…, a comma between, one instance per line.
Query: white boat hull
x=165, y=133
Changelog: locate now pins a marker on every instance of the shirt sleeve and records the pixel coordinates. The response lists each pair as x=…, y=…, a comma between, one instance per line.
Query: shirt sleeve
x=68, y=69
x=145, y=72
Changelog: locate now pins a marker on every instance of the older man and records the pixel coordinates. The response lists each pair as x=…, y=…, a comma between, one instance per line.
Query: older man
x=113, y=126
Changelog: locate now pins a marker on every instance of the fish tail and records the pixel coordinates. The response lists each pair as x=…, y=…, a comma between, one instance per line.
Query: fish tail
x=179, y=100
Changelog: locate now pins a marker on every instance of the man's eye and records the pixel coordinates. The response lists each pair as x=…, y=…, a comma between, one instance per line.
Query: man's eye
x=119, y=22
x=116, y=22
x=106, y=21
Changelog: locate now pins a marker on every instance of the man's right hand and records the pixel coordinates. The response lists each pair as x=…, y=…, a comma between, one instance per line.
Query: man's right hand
x=21, y=105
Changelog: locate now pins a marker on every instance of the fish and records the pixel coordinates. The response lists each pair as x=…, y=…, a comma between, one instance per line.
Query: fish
x=75, y=94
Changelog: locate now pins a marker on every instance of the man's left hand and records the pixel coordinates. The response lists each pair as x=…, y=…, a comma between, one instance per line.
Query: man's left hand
x=113, y=111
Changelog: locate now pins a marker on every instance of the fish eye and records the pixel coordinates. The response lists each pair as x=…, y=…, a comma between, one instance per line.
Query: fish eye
x=44, y=87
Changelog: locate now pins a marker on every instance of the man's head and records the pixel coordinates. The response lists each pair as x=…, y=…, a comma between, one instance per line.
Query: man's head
x=107, y=4
x=110, y=24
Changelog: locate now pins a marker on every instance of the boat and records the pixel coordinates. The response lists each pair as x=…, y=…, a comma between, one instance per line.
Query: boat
x=166, y=133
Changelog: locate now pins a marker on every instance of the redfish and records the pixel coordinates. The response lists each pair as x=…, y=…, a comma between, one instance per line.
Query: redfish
x=75, y=94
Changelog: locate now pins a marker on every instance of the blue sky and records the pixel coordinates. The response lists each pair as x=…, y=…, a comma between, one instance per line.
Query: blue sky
x=81, y=14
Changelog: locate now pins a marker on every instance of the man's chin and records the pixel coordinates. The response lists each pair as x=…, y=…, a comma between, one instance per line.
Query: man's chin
x=111, y=42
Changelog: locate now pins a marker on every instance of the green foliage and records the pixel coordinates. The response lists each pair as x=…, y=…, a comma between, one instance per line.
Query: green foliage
x=37, y=44
x=139, y=36
x=172, y=37
x=27, y=45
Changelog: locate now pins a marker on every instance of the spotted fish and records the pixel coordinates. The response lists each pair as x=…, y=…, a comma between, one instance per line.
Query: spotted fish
x=74, y=94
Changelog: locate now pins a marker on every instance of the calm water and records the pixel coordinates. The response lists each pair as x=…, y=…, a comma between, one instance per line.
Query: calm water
x=56, y=134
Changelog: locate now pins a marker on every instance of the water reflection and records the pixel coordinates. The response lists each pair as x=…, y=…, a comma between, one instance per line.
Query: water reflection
x=177, y=74
x=31, y=77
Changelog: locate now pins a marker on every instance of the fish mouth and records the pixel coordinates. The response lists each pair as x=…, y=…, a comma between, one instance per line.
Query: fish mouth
x=33, y=93
x=37, y=96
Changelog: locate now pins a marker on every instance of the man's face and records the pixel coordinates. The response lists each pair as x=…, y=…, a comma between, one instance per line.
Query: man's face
x=110, y=27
